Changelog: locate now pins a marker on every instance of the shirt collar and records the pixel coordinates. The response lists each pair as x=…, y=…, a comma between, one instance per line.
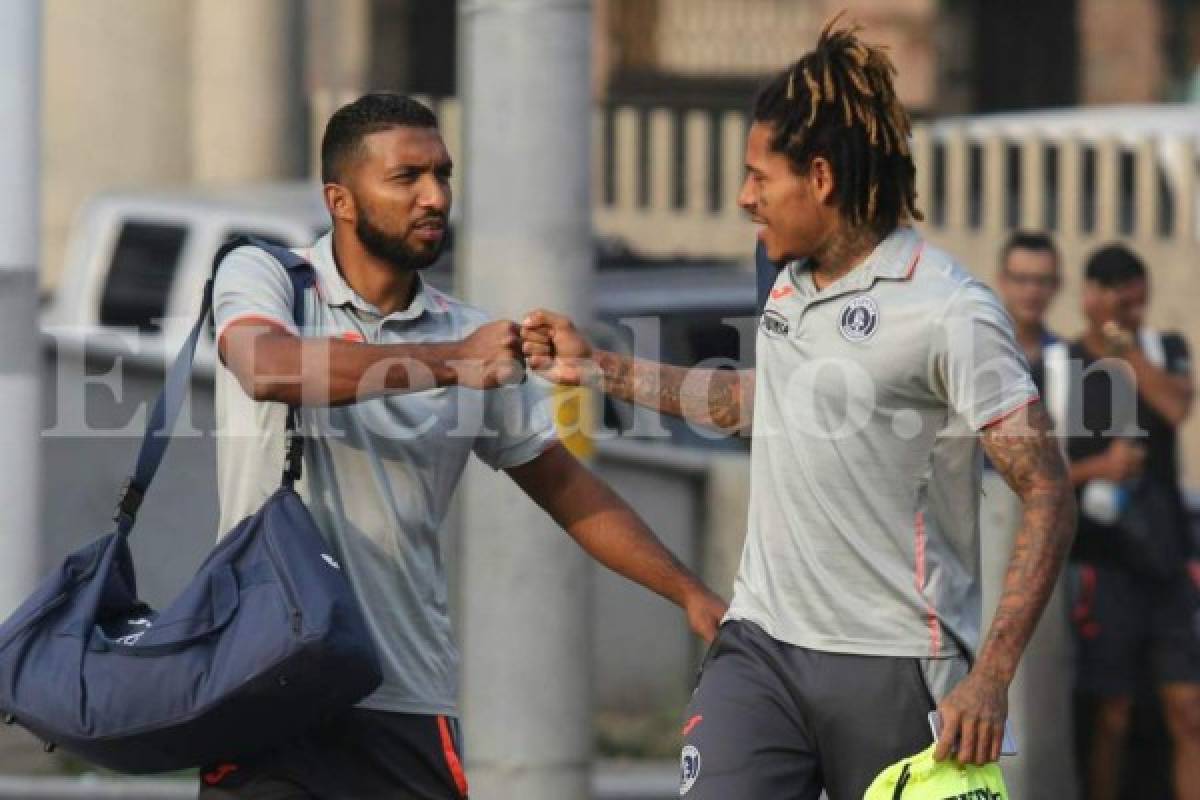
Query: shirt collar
x=334, y=290
x=895, y=257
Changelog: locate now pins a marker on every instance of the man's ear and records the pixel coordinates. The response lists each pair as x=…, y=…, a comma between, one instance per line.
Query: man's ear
x=340, y=202
x=821, y=180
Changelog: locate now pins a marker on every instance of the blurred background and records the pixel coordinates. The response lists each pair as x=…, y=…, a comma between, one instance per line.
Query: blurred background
x=168, y=125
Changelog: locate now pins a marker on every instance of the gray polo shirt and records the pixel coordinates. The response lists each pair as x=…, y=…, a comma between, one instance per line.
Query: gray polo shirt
x=378, y=475
x=864, y=514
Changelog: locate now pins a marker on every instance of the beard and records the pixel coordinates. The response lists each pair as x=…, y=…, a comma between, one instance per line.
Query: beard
x=392, y=248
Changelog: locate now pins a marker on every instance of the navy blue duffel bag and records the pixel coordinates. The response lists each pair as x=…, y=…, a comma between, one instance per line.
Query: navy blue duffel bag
x=266, y=640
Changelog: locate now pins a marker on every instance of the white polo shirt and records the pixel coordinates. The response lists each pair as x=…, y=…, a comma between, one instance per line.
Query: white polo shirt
x=378, y=475
x=864, y=513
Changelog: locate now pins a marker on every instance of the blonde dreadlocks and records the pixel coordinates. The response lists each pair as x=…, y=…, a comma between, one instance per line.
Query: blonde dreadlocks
x=839, y=102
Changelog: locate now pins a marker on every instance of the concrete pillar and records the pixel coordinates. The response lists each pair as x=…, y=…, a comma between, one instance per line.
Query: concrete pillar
x=247, y=105
x=727, y=503
x=116, y=109
x=20, y=356
x=1040, y=699
x=526, y=242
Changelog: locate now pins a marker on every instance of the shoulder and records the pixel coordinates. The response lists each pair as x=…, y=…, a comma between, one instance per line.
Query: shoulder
x=951, y=289
x=940, y=277
x=249, y=264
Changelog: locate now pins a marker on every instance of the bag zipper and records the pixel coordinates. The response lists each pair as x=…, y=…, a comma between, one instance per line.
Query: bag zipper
x=286, y=582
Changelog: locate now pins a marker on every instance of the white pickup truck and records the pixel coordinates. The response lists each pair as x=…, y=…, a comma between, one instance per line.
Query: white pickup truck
x=136, y=262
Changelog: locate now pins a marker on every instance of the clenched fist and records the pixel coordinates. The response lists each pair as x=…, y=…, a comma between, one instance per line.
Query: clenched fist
x=556, y=349
x=490, y=357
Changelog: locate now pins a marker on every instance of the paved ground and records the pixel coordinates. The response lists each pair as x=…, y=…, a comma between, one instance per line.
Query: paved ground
x=612, y=781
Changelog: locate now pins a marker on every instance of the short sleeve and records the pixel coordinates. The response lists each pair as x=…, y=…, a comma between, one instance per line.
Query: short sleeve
x=1178, y=357
x=979, y=371
x=517, y=425
x=250, y=284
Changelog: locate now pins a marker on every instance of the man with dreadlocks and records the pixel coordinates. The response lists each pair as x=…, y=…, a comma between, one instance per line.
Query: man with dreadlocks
x=883, y=370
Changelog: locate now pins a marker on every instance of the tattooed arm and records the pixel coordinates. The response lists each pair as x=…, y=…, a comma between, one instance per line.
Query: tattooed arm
x=715, y=398
x=1022, y=449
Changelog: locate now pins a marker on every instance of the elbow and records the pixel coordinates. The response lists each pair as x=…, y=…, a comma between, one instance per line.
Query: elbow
x=264, y=387
x=267, y=392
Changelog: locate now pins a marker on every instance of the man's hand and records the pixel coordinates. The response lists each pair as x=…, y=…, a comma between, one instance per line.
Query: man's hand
x=490, y=357
x=1121, y=462
x=1118, y=341
x=705, y=610
x=556, y=350
x=973, y=717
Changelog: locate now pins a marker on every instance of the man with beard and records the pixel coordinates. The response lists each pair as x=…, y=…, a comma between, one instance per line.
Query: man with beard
x=398, y=384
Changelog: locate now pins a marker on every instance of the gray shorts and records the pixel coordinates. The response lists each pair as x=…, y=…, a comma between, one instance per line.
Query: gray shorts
x=771, y=721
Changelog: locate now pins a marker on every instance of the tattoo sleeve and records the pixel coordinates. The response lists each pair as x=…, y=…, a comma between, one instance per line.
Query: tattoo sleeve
x=714, y=398
x=1023, y=450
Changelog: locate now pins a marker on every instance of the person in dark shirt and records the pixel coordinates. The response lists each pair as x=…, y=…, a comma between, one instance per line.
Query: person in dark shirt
x=1136, y=605
x=1027, y=281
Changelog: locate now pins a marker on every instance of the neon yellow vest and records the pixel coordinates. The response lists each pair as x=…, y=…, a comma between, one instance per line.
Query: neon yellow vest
x=919, y=777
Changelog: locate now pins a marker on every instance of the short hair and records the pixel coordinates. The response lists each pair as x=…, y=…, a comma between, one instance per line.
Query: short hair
x=1029, y=240
x=839, y=102
x=371, y=113
x=1114, y=265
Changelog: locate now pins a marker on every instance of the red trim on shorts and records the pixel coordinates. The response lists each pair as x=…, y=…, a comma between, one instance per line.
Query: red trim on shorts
x=1081, y=614
x=919, y=568
x=219, y=773
x=1012, y=411
x=452, y=762
x=691, y=724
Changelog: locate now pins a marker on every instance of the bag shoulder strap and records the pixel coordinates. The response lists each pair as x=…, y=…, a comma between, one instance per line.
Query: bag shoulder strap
x=170, y=400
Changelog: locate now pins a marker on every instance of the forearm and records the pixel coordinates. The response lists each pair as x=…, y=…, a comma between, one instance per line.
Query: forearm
x=1169, y=395
x=1022, y=450
x=621, y=542
x=603, y=524
x=329, y=372
x=721, y=399
x=1039, y=551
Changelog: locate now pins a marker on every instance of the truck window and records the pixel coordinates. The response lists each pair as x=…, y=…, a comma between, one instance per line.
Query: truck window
x=143, y=265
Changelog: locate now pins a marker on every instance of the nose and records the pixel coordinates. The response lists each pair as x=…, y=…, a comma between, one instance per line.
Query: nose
x=435, y=195
x=747, y=198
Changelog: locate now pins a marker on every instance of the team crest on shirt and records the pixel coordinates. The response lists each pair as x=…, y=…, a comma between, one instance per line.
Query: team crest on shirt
x=859, y=319
x=689, y=768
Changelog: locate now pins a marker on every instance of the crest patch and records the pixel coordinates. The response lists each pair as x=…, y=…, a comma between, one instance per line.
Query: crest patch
x=859, y=319
x=689, y=769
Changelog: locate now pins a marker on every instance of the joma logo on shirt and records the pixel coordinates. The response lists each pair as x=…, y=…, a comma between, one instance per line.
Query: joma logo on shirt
x=976, y=794
x=774, y=323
